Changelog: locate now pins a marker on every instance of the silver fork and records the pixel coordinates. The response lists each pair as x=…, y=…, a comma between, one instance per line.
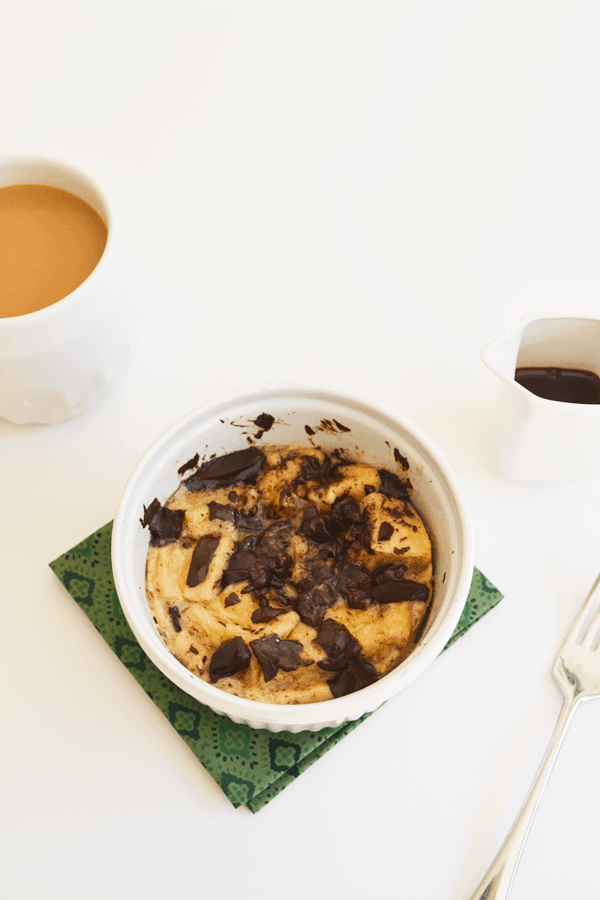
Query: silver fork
x=577, y=670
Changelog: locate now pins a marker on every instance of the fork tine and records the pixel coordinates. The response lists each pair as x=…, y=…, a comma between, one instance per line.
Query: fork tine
x=583, y=619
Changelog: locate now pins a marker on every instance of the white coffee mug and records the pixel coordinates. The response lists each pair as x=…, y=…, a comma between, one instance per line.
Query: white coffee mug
x=60, y=361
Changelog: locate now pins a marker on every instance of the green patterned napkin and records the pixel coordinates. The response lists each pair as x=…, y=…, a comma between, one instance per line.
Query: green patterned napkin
x=251, y=766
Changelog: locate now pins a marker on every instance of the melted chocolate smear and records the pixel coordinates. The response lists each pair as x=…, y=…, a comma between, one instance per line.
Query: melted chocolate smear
x=401, y=459
x=396, y=591
x=274, y=654
x=175, y=616
x=267, y=613
x=190, y=464
x=385, y=531
x=201, y=557
x=339, y=644
x=391, y=486
x=355, y=676
x=241, y=465
x=164, y=524
x=327, y=425
x=312, y=605
x=340, y=427
x=231, y=657
x=232, y=599
x=308, y=430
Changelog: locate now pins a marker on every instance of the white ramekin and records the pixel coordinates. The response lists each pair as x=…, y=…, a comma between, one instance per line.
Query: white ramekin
x=375, y=432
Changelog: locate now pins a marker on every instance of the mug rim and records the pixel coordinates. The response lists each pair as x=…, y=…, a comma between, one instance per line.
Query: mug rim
x=71, y=299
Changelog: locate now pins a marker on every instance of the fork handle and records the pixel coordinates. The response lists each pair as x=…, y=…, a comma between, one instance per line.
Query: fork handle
x=498, y=880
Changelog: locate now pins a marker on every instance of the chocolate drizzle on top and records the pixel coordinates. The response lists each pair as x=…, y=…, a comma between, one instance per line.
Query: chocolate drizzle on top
x=164, y=524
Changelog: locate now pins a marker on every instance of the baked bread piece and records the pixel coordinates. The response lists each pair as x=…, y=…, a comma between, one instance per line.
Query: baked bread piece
x=288, y=575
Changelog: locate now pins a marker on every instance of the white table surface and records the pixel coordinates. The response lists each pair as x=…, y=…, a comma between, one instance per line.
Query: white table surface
x=360, y=194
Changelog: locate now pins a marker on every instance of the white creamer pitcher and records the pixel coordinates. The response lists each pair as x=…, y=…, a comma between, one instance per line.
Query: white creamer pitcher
x=538, y=439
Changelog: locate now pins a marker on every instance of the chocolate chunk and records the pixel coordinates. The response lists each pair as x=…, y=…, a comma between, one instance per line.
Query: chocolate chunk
x=391, y=486
x=231, y=657
x=175, y=615
x=340, y=646
x=230, y=514
x=308, y=430
x=201, y=557
x=274, y=539
x=318, y=527
x=190, y=464
x=249, y=523
x=280, y=565
x=264, y=422
x=354, y=585
x=312, y=605
x=260, y=575
x=346, y=512
x=239, y=565
x=267, y=613
x=193, y=650
x=164, y=524
x=396, y=591
x=274, y=654
x=389, y=572
x=232, y=599
x=355, y=676
x=385, y=531
x=222, y=512
x=401, y=459
x=241, y=465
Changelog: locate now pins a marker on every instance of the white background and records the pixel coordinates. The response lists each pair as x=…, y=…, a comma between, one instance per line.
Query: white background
x=360, y=194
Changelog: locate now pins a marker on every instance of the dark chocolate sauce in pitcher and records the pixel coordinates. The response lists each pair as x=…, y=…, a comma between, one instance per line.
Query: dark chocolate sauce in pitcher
x=564, y=385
